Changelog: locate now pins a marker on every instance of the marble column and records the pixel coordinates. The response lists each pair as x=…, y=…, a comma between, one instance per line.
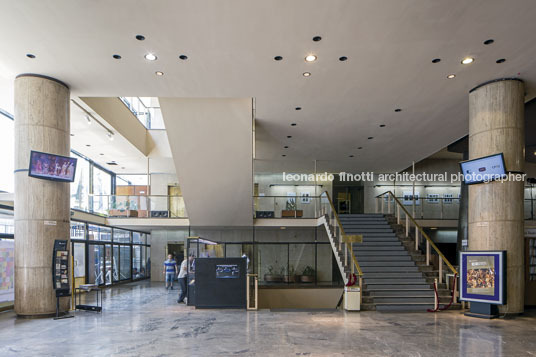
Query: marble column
x=496, y=125
x=42, y=207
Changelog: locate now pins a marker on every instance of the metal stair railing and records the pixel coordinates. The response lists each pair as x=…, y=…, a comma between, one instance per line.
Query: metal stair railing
x=418, y=229
x=341, y=242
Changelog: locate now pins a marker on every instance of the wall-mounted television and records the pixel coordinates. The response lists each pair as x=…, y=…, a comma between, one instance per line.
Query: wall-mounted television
x=483, y=276
x=52, y=167
x=484, y=169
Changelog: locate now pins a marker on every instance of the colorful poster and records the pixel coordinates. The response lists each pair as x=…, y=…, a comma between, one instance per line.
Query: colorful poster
x=7, y=270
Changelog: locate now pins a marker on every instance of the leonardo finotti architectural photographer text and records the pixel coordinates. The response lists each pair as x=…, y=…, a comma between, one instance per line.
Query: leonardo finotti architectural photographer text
x=403, y=177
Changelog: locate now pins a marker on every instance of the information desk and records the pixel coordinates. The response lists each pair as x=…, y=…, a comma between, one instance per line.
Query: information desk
x=88, y=288
x=220, y=283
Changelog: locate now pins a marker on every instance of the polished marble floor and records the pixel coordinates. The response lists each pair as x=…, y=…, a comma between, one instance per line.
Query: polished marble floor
x=143, y=319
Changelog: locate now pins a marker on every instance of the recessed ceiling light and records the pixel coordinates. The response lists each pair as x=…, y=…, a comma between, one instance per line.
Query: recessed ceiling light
x=436, y=60
x=489, y=42
x=298, y=108
x=343, y=58
x=450, y=76
x=123, y=168
x=382, y=125
x=371, y=137
x=150, y=57
x=283, y=155
x=110, y=136
x=289, y=136
x=88, y=119
x=310, y=58
x=398, y=110
x=29, y=55
x=359, y=148
x=317, y=38
x=183, y=57
x=501, y=60
x=293, y=124
x=286, y=147
x=535, y=153
x=72, y=134
x=306, y=74
x=468, y=60
x=101, y=154
x=158, y=73
x=116, y=56
x=88, y=145
x=278, y=58
x=140, y=37
x=351, y=156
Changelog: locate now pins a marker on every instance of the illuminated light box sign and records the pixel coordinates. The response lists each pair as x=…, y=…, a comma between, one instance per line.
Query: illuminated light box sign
x=52, y=167
x=484, y=169
x=483, y=277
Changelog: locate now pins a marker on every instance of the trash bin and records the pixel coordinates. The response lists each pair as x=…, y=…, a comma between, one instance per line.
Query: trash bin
x=352, y=298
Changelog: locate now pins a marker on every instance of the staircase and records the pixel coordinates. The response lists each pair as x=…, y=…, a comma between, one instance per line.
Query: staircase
x=395, y=278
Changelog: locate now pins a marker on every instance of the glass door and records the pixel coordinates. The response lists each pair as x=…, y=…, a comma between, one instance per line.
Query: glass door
x=79, y=267
x=115, y=263
x=108, y=264
x=96, y=264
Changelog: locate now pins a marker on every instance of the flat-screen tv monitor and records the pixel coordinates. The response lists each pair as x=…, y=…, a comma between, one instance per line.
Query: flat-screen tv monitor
x=483, y=276
x=484, y=169
x=52, y=167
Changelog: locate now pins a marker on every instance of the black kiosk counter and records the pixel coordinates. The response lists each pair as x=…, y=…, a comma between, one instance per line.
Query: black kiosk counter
x=219, y=283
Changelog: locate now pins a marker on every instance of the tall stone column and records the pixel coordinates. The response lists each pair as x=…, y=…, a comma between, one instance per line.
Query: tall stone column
x=42, y=207
x=496, y=125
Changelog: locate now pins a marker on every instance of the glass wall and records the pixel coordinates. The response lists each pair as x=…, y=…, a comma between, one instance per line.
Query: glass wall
x=300, y=256
x=102, y=188
x=80, y=186
x=105, y=255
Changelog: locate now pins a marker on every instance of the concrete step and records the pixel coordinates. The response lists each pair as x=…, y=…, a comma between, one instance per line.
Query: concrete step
x=384, y=258
x=378, y=287
x=379, y=247
x=387, y=264
x=365, y=225
x=374, y=235
x=407, y=307
x=370, y=243
x=403, y=299
x=362, y=215
x=367, y=230
x=359, y=252
x=408, y=293
x=387, y=269
x=395, y=281
x=387, y=275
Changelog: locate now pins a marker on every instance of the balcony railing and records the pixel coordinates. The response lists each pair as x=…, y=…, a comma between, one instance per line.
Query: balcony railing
x=150, y=117
x=139, y=206
x=287, y=206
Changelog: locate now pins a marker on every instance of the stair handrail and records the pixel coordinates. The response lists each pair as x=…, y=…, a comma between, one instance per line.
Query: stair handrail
x=347, y=239
x=423, y=233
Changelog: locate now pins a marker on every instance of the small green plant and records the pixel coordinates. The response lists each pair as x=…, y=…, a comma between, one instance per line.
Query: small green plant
x=308, y=271
x=291, y=271
x=291, y=204
x=270, y=270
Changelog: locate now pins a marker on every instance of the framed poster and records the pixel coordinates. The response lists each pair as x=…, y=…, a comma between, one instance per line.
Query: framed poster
x=408, y=197
x=433, y=198
x=483, y=276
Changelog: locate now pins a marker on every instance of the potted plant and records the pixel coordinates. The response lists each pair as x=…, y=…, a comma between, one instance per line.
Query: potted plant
x=272, y=276
x=308, y=275
x=290, y=277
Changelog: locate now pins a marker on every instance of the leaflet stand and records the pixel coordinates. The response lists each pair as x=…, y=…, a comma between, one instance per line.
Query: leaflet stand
x=60, y=275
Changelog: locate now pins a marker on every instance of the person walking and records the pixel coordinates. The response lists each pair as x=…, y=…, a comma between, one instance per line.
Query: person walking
x=170, y=269
x=183, y=275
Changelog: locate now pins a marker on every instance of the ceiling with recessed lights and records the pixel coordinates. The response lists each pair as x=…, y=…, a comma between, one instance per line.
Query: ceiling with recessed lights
x=370, y=58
